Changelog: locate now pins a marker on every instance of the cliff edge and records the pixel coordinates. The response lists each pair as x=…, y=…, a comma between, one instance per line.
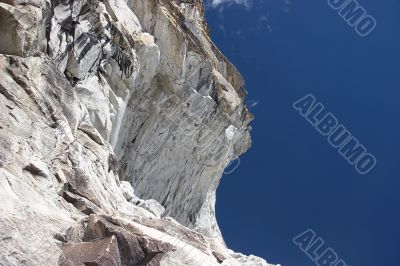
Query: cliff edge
x=118, y=119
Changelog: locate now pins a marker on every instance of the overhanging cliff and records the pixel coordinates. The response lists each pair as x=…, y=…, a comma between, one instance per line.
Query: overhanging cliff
x=102, y=97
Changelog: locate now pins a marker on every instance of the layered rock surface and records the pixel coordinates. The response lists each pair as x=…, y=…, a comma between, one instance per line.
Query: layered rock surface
x=98, y=98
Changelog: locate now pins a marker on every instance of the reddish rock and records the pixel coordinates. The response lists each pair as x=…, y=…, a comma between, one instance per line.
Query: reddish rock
x=103, y=252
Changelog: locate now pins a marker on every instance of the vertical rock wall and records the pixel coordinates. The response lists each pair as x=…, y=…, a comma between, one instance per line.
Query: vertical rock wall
x=183, y=125
x=118, y=119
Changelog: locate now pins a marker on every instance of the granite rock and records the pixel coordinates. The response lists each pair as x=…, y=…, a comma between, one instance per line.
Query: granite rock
x=118, y=119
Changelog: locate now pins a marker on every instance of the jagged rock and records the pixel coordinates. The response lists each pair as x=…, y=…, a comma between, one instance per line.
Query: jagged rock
x=135, y=248
x=81, y=203
x=22, y=30
x=38, y=168
x=152, y=206
x=102, y=252
x=98, y=93
x=85, y=54
x=127, y=190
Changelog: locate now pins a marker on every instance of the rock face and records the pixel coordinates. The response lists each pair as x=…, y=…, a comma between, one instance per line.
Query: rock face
x=118, y=119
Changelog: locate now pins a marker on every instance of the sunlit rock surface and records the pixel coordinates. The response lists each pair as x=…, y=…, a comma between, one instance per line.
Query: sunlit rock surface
x=117, y=121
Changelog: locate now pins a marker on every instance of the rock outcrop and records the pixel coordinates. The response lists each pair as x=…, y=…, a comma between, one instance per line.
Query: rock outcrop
x=118, y=119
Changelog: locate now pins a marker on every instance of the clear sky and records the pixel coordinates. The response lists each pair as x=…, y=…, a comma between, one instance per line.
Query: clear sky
x=292, y=179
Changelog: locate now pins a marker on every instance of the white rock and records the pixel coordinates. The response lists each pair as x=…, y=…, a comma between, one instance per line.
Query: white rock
x=127, y=190
x=152, y=206
x=103, y=91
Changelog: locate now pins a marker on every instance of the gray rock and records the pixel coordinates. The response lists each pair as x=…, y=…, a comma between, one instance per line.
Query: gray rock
x=37, y=168
x=127, y=190
x=22, y=30
x=152, y=206
x=96, y=92
x=103, y=252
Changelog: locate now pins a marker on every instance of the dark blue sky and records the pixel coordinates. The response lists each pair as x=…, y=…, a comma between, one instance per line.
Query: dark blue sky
x=292, y=179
